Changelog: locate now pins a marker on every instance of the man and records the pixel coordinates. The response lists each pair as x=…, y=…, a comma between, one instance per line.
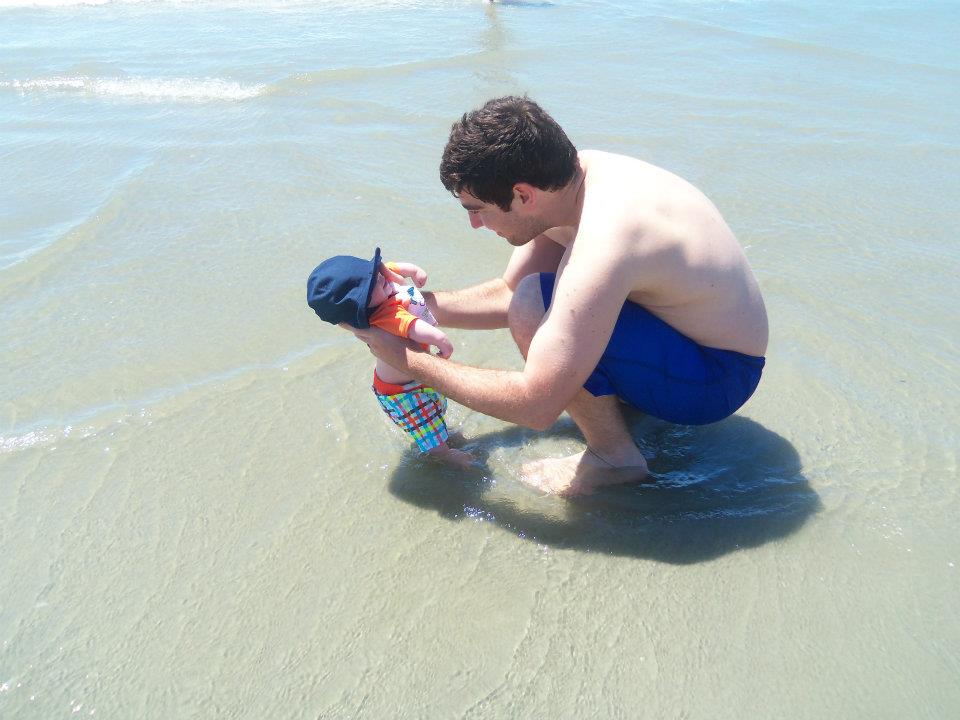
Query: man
x=626, y=285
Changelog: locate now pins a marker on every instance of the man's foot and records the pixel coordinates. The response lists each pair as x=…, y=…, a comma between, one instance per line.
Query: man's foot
x=583, y=473
x=452, y=456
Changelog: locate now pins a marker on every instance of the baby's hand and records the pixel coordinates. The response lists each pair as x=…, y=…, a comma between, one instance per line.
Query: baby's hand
x=423, y=332
x=444, y=347
x=390, y=274
x=419, y=277
x=403, y=270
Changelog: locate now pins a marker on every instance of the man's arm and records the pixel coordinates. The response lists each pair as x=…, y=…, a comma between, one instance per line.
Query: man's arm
x=563, y=353
x=484, y=306
x=508, y=395
x=480, y=307
x=500, y=393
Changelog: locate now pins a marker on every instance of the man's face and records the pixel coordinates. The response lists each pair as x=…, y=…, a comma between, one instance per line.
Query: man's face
x=513, y=225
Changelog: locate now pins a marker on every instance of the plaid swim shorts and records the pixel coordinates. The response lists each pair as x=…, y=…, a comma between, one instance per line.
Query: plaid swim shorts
x=418, y=411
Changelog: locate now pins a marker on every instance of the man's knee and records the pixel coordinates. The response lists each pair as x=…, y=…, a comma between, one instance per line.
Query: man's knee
x=526, y=311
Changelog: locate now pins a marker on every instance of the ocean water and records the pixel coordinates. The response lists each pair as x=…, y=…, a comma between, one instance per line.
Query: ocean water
x=203, y=513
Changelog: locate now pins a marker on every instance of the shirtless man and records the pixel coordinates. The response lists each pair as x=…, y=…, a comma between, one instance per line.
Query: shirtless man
x=625, y=285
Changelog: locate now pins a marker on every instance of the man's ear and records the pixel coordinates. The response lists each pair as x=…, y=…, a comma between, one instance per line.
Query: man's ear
x=525, y=194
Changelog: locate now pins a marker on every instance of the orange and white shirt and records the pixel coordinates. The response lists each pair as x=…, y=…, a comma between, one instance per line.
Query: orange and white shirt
x=397, y=313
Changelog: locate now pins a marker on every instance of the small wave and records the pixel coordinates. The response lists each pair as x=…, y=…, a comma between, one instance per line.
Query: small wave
x=182, y=89
x=59, y=3
x=71, y=3
x=358, y=73
x=260, y=4
x=14, y=443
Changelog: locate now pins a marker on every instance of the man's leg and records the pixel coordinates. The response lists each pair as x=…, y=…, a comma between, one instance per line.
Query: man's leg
x=611, y=455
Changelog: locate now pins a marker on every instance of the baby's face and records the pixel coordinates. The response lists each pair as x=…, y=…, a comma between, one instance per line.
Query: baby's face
x=382, y=289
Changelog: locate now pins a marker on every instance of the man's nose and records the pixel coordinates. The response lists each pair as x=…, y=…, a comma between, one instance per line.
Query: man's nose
x=475, y=221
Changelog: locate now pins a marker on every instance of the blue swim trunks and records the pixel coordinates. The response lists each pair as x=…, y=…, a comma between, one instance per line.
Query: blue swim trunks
x=666, y=374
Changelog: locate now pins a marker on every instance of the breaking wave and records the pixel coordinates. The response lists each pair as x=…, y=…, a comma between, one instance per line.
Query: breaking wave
x=183, y=89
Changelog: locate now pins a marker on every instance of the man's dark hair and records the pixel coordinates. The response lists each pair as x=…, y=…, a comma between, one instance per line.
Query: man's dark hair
x=509, y=140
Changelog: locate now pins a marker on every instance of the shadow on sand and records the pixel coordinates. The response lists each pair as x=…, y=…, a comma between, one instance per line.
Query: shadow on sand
x=712, y=490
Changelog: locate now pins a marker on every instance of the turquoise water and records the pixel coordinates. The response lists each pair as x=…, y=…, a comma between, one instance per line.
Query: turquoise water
x=202, y=511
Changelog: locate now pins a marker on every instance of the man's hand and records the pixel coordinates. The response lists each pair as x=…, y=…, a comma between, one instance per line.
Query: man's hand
x=391, y=349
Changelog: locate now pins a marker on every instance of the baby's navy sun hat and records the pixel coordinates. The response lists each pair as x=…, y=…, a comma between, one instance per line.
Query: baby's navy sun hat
x=339, y=289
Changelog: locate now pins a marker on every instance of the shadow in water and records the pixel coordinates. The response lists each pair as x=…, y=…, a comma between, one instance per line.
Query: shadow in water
x=712, y=490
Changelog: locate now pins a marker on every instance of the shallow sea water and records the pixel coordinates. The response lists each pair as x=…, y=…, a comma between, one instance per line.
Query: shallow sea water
x=203, y=512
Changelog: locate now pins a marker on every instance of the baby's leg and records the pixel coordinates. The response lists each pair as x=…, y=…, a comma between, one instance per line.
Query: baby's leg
x=432, y=436
x=420, y=413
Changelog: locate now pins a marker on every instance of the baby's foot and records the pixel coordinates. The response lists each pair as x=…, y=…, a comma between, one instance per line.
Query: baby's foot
x=451, y=456
x=456, y=439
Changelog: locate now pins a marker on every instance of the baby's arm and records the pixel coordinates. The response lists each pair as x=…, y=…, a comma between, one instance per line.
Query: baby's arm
x=397, y=271
x=424, y=332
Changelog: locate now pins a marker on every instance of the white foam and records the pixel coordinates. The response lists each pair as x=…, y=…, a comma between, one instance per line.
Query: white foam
x=27, y=440
x=74, y=3
x=258, y=4
x=185, y=89
x=83, y=3
x=51, y=3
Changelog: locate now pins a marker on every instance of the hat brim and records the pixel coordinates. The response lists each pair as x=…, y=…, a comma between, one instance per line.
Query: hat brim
x=363, y=321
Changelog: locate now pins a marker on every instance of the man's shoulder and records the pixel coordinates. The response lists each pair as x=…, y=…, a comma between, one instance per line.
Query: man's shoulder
x=630, y=200
x=560, y=235
x=601, y=167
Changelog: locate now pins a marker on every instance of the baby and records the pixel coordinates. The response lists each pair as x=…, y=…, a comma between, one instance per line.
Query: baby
x=347, y=289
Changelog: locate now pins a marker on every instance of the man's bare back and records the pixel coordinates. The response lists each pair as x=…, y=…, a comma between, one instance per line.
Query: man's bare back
x=687, y=267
